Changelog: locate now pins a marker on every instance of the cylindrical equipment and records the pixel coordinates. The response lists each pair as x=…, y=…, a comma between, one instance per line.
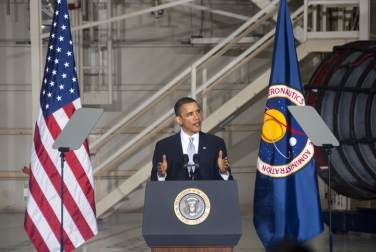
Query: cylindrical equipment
x=342, y=89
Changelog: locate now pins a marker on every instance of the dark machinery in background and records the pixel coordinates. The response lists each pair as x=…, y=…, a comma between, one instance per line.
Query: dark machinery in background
x=342, y=90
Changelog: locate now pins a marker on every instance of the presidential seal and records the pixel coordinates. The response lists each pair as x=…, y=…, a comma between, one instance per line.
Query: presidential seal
x=192, y=206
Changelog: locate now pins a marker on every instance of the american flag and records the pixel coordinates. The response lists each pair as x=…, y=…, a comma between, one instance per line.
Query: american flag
x=59, y=98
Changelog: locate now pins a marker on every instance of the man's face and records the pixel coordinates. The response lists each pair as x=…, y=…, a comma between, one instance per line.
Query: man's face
x=189, y=118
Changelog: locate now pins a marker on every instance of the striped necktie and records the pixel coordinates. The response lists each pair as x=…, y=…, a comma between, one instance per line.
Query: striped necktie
x=191, y=151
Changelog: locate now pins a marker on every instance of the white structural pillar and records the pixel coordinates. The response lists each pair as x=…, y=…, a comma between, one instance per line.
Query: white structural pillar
x=36, y=49
x=364, y=20
x=193, y=81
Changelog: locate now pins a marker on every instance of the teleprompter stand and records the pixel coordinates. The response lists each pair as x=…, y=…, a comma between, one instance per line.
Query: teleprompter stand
x=71, y=138
x=320, y=135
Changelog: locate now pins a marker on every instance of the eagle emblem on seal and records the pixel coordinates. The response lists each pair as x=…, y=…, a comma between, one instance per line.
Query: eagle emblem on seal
x=192, y=206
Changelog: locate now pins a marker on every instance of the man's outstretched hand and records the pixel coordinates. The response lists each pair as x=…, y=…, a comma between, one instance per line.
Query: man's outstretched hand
x=162, y=167
x=223, y=163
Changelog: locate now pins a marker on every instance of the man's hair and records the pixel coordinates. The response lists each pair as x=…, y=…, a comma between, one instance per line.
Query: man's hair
x=181, y=102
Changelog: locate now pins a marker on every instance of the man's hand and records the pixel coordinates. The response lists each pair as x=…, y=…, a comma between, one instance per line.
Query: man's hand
x=26, y=170
x=162, y=167
x=223, y=164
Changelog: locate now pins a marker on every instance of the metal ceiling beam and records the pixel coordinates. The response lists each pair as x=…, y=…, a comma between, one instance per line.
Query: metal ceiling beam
x=219, y=12
x=123, y=17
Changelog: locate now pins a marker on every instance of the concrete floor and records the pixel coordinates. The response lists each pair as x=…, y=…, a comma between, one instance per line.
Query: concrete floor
x=123, y=232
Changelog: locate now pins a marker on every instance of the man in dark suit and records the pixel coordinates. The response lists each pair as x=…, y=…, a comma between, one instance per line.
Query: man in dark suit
x=168, y=158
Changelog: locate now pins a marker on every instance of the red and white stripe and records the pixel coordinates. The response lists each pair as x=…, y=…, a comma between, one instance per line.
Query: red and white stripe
x=43, y=213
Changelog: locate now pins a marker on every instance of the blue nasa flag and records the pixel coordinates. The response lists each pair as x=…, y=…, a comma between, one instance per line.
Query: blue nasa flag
x=286, y=200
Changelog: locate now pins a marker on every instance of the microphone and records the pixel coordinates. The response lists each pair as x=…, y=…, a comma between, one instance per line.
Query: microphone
x=185, y=164
x=185, y=161
x=196, y=160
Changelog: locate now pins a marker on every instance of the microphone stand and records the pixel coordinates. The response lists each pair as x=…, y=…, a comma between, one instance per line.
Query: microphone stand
x=185, y=163
x=196, y=161
x=195, y=164
x=191, y=172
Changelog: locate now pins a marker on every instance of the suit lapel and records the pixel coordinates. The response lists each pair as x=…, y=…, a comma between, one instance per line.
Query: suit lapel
x=203, y=144
x=177, y=152
x=176, y=147
x=204, y=148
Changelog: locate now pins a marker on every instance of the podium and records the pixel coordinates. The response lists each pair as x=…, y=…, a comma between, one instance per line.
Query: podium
x=191, y=216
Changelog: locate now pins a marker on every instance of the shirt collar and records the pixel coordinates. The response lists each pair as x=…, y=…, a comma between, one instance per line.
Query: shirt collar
x=185, y=137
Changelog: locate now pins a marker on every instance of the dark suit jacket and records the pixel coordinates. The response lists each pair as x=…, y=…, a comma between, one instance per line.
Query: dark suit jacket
x=208, y=150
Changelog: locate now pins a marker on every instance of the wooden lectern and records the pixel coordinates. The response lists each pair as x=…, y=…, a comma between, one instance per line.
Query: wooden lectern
x=174, y=223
